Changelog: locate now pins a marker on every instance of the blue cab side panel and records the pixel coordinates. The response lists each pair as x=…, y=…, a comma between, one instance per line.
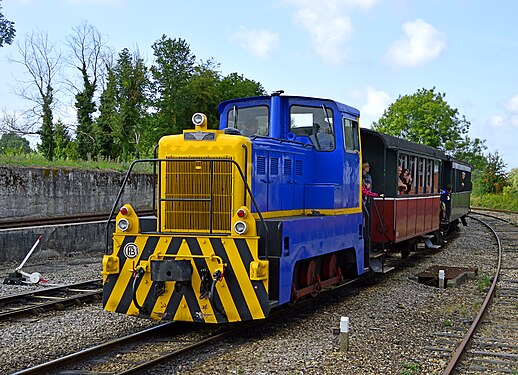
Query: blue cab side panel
x=305, y=237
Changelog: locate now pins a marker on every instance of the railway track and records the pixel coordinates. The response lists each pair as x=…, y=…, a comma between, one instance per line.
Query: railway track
x=491, y=343
x=166, y=344
x=52, y=298
x=73, y=219
x=163, y=345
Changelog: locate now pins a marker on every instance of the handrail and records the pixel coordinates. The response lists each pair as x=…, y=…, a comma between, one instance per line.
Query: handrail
x=381, y=222
x=211, y=160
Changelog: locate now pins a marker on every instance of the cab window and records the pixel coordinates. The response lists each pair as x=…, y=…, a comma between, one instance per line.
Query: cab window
x=315, y=123
x=351, y=140
x=250, y=121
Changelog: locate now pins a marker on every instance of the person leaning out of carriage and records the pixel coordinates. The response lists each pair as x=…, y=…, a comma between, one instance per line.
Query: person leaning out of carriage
x=445, y=197
x=406, y=182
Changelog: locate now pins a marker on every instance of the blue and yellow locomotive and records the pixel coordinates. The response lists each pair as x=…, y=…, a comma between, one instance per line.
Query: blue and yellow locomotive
x=257, y=214
x=254, y=215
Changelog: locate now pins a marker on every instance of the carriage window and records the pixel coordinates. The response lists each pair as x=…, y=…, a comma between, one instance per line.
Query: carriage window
x=414, y=173
x=429, y=176
x=421, y=176
x=249, y=120
x=436, y=169
x=351, y=141
x=315, y=123
x=404, y=163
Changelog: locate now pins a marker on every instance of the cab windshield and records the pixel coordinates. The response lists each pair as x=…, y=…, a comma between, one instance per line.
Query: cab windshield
x=250, y=121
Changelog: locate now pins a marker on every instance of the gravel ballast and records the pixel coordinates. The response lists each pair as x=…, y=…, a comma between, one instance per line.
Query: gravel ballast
x=395, y=323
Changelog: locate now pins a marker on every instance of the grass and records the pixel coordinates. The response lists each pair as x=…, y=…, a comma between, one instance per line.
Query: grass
x=410, y=368
x=38, y=161
x=483, y=282
x=447, y=323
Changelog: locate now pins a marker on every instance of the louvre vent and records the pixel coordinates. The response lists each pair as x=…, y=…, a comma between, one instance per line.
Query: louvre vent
x=287, y=167
x=274, y=166
x=261, y=165
x=298, y=167
x=198, y=195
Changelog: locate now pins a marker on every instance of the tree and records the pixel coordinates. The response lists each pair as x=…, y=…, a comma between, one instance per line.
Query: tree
x=132, y=88
x=108, y=118
x=10, y=142
x=425, y=117
x=236, y=86
x=88, y=48
x=494, y=176
x=201, y=94
x=173, y=68
x=123, y=107
x=65, y=147
x=43, y=63
x=513, y=179
x=46, y=132
x=7, y=30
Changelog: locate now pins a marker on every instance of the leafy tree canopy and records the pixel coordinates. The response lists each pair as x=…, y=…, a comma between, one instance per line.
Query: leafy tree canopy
x=493, y=178
x=13, y=142
x=237, y=86
x=7, y=30
x=425, y=117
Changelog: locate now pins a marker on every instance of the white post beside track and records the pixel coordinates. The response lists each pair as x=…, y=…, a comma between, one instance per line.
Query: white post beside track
x=344, y=334
x=441, y=279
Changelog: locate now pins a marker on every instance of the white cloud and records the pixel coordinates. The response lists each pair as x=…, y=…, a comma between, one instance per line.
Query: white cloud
x=377, y=103
x=329, y=37
x=340, y=5
x=102, y=2
x=497, y=121
x=512, y=105
x=329, y=24
x=421, y=44
x=510, y=119
x=260, y=43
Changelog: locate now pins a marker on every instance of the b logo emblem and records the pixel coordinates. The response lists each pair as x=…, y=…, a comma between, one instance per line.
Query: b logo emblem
x=131, y=250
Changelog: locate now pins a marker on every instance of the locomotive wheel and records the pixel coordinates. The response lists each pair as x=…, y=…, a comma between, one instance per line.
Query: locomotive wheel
x=307, y=273
x=329, y=266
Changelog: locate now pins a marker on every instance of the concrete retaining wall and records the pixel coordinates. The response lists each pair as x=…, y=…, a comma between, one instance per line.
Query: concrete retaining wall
x=56, y=241
x=43, y=192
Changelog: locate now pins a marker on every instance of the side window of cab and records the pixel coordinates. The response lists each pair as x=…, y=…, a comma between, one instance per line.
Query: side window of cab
x=351, y=138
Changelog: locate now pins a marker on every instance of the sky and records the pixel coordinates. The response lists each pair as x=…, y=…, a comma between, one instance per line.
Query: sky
x=364, y=53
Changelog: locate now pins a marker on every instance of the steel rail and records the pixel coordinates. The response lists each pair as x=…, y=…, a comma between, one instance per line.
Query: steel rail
x=95, y=350
x=493, y=210
x=459, y=351
x=54, y=298
x=112, y=346
x=73, y=219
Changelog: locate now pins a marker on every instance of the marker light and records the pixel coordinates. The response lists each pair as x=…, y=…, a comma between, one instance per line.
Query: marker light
x=124, y=210
x=240, y=227
x=241, y=213
x=123, y=225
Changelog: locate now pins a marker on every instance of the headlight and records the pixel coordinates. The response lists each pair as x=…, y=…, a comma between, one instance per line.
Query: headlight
x=123, y=225
x=198, y=119
x=240, y=227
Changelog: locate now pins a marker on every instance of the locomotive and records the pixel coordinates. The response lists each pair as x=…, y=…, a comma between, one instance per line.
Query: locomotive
x=268, y=209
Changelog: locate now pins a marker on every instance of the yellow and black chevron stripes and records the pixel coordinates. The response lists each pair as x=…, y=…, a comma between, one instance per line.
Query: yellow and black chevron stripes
x=236, y=297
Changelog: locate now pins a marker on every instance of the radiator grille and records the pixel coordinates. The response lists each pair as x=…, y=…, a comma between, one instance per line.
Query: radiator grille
x=191, y=187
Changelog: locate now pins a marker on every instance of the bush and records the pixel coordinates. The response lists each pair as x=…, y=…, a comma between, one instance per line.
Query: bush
x=508, y=200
